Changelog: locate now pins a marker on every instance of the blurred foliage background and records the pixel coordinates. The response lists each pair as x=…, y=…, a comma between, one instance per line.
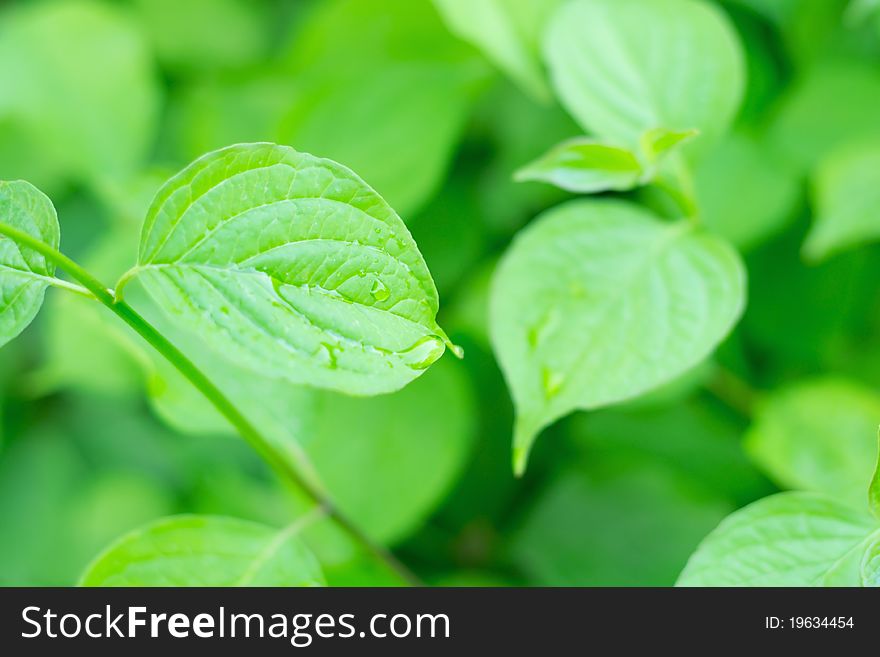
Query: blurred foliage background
x=100, y=101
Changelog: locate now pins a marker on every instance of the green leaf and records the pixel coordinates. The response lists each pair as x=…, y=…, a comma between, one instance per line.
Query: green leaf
x=622, y=67
x=206, y=551
x=291, y=265
x=598, y=302
x=601, y=527
x=585, y=166
x=832, y=103
x=819, y=436
x=24, y=274
x=742, y=161
x=790, y=539
x=847, y=201
x=658, y=143
x=508, y=31
x=89, y=125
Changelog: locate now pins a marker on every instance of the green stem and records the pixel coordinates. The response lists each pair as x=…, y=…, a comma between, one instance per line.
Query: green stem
x=734, y=391
x=220, y=401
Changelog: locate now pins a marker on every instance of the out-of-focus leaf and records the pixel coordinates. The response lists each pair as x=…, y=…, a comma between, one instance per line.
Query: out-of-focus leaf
x=391, y=102
x=24, y=273
x=76, y=78
x=598, y=302
x=847, y=201
x=585, y=166
x=819, y=436
x=789, y=539
x=387, y=461
x=508, y=31
x=595, y=528
x=742, y=162
x=206, y=551
x=832, y=104
x=204, y=35
x=292, y=266
x=622, y=67
x=254, y=108
x=690, y=437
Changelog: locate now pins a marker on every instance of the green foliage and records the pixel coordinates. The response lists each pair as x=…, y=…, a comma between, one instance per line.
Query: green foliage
x=270, y=285
x=340, y=300
x=818, y=436
x=78, y=92
x=587, y=309
x=509, y=31
x=622, y=67
x=206, y=551
x=847, y=191
x=24, y=273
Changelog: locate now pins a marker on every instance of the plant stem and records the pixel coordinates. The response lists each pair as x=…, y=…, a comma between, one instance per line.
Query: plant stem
x=733, y=391
x=220, y=401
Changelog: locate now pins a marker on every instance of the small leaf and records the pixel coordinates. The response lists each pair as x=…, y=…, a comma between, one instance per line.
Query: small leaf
x=598, y=302
x=24, y=274
x=789, y=539
x=847, y=201
x=657, y=143
x=819, y=436
x=293, y=266
x=206, y=551
x=508, y=31
x=585, y=166
x=622, y=67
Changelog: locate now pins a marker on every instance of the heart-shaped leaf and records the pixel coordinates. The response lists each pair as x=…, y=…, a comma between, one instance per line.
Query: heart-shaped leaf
x=24, y=273
x=598, y=302
x=291, y=265
x=206, y=551
x=622, y=67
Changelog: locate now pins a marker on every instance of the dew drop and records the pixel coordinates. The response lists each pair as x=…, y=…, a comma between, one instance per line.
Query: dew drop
x=379, y=290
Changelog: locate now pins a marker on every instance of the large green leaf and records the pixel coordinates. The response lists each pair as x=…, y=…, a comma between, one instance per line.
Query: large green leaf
x=206, y=551
x=76, y=80
x=24, y=273
x=622, y=67
x=847, y=200
x=508, y=31
x=789, y=539
x=819, y=436
x=598, y=302
x=293, y=266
